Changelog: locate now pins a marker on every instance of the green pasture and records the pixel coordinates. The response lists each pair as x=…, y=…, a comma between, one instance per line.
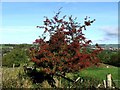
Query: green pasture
x=99, y=73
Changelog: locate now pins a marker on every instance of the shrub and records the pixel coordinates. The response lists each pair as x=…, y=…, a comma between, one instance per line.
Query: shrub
x=105, y=56
x=110, y=57
x=115, y=59
x=17, y=56
x=66, y=50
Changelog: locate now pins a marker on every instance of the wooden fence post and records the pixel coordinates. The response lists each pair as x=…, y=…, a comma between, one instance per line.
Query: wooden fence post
x=104, y=81
x=109, y=80
x=13, y=66
x=60, y=82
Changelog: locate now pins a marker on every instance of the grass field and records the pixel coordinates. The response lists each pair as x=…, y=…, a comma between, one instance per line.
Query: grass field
x=11, y=78
x=98, y=73
x=101, y=72
x=2, y=46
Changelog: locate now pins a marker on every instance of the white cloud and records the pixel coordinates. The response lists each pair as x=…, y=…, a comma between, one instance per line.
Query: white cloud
x=110, y=35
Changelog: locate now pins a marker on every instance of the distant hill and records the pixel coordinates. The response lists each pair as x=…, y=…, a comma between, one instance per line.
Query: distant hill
x=110, y=45
x=102, y=45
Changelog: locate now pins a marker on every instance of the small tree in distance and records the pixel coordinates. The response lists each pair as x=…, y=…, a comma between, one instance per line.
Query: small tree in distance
x=66, y=50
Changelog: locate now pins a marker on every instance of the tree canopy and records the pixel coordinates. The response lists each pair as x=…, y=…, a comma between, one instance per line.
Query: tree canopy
x=66, y=50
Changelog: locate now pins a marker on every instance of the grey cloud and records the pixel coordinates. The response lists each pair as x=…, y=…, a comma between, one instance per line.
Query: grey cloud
x=104, y=39
x=110, y=31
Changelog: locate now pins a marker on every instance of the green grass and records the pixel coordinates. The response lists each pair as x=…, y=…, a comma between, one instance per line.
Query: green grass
x=100, y=73
x=16, y=78
x=13, y=78
x=2, y=46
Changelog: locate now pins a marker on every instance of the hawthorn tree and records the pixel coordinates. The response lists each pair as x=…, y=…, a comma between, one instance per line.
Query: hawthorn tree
x=66, y=50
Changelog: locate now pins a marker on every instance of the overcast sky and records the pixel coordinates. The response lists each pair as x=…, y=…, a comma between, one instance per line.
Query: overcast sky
x=19, y=20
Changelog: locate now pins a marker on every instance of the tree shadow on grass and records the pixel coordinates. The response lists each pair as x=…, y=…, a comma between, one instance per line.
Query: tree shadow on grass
x=39, y=77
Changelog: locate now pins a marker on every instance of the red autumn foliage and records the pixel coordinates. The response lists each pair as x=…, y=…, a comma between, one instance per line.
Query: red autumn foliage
x=66, y=49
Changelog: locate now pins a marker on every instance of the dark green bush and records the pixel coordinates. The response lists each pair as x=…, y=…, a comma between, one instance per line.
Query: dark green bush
x=17, y=64
x=110, y=57
x=115, y=59
x=104, y=56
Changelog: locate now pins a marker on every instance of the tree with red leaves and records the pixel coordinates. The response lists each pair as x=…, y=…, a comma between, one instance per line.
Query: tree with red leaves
x=66, y=50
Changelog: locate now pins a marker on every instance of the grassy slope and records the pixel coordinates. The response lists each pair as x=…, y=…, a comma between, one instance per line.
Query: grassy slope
x=101, y=72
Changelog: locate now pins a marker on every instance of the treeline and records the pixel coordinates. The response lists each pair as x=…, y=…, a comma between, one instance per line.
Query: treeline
x=110, y=57
x=13, y=45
